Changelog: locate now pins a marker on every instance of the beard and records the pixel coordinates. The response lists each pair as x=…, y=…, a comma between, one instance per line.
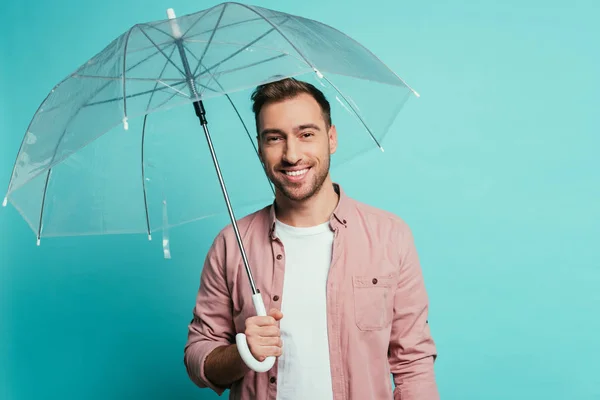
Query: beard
x=305, y=189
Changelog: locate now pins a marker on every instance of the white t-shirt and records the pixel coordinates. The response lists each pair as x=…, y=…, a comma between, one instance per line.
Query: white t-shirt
x=303, y=369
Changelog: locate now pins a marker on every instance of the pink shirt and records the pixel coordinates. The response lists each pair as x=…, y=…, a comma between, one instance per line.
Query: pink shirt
x=377, y=305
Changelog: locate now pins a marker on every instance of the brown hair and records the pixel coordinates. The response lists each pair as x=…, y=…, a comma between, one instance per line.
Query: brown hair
x=288, y=88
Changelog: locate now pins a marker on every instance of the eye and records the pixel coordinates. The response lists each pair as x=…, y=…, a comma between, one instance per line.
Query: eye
x=307, y=134
x=272, y=138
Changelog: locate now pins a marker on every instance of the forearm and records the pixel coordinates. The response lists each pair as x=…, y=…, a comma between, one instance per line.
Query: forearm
x=416, y=381
x=224, y=366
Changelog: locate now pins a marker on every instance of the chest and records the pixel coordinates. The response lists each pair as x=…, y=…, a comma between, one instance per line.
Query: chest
x=341, y=264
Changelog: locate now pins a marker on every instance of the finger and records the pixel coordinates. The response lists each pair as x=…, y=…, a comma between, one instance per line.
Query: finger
x=260, y=321
x=255, y=331
x=270, y=341
x=276, y=314
x=268, y=331
x=268, y=351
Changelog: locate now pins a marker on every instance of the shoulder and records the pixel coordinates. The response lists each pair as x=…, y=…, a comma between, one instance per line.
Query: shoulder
x=379, y=217
x=253, y=222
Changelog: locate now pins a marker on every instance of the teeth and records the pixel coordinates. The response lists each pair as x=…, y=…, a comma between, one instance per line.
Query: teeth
x=296, y=173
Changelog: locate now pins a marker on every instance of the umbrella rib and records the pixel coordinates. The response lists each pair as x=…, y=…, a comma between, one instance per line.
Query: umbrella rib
x=176, y=91
x=165, y=87
x=210, y=39
x=249, y=138
x=39, y=228
x=238, y=44
x=254, y=64
x=196, y=22
x=316, y=70
x=240, y=118
x=229, y=26
x=207, y=70
x=186, y=37
x=144, y=180
x=118, y=78
x=132, y=95
x=125, y=72
x=75, y=75
x=162, y=52
x=355, y=113
x=143, y=144
x=160, y=30
x=160, y=76
x=175, y=94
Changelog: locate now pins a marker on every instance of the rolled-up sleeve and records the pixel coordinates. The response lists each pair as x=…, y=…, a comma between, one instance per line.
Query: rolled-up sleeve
x=212, y=323
x=412, y=349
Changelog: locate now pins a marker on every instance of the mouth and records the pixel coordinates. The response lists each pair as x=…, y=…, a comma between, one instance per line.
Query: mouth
x=295, y=175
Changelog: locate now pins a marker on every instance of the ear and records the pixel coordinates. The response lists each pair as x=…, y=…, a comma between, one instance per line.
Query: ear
x=332, y=139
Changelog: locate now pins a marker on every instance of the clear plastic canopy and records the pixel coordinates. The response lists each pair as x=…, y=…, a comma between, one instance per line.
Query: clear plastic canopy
x=116, y=146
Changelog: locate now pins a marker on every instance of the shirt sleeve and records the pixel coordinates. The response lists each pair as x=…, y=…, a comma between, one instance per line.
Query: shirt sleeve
x=412, y=351
x=212, y=322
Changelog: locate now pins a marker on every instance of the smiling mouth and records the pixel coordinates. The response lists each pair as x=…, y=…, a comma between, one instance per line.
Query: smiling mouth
x=297, y=173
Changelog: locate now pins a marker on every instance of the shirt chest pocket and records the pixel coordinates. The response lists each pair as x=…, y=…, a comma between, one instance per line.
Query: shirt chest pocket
x=373, y=301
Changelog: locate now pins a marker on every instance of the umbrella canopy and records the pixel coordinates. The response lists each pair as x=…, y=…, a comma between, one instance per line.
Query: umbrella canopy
x=109, y=150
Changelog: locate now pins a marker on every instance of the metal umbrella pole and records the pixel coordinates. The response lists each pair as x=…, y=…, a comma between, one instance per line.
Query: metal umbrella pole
x=242, y=345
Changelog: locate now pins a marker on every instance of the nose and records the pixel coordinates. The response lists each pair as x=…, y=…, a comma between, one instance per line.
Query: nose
x=291, y=153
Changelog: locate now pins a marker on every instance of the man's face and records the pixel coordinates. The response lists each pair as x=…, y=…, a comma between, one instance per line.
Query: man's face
x=295, y=146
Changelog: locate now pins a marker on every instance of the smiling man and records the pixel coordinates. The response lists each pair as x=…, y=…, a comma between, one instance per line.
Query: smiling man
x=342, y=280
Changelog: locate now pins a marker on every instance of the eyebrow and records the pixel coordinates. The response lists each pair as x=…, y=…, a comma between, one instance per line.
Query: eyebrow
x=296, y=129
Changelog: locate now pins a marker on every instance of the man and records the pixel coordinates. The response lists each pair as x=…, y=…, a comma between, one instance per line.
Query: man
x=342, y=280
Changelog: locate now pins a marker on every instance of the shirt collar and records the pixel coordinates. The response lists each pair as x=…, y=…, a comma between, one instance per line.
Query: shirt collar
x=339, y=217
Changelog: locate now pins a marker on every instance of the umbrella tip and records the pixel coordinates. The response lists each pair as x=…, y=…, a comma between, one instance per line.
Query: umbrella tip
x=38, y=242
x=416, y=93
x=149, y=237
x=382, y=150
x=5, y=201
x=174, y=26
x=125, y=123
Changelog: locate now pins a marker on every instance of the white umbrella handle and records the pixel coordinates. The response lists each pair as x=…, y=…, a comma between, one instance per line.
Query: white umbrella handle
x=242, y=344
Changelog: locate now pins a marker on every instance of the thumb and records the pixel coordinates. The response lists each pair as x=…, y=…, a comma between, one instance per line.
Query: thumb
x=275, y=313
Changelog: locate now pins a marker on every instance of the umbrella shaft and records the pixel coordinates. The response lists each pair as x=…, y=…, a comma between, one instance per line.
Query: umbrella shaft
x=200, y=109
x=201, y=113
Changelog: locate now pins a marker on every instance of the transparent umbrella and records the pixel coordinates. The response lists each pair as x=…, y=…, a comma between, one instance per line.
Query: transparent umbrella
x=110, y=150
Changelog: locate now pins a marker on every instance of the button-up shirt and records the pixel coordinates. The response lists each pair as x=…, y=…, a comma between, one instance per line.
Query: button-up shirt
x=377, y=305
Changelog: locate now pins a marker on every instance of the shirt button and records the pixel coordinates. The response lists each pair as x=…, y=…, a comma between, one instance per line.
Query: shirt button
x=272, y=380
x=374, y=281
x=279, y=256
x=275, y=298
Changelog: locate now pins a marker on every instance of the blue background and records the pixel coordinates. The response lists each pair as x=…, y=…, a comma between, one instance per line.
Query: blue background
x=495, y=168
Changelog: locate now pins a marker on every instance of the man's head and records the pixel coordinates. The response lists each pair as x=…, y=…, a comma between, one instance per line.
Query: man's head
x=295, y=136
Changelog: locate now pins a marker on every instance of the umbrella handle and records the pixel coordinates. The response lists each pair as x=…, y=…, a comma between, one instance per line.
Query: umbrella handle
x=242, y=344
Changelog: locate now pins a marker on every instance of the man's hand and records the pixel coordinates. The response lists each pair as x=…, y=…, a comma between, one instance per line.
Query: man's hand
x=263, y=336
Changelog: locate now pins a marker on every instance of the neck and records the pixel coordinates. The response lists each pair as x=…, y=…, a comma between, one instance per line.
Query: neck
x=310, y=212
